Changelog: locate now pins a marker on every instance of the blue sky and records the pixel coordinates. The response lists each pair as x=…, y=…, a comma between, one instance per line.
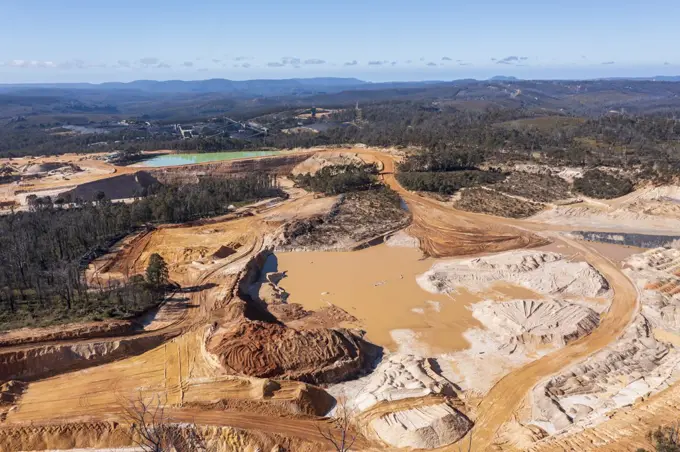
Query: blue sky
x=377, y=40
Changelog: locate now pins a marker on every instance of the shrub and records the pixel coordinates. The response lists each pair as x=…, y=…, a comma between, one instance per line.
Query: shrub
x=447, y=183
x=333, y=180
x=601, y=185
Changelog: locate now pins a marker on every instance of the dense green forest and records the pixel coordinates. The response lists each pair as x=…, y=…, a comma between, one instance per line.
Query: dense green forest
x=43, y=251
x=651, y=141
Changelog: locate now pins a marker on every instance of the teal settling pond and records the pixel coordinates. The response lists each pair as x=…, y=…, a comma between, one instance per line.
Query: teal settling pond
x=189, y=159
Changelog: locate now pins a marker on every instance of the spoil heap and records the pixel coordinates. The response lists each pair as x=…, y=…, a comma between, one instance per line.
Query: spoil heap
x=251, y=341
x=543, y=272
x=537, y=322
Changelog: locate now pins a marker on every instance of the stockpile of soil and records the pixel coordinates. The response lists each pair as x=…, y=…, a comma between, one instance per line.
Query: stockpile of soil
x=40, y=168
x=543, y=272
x=250, y=341
x=318, y=161
x=272, y=350
x=537, y=322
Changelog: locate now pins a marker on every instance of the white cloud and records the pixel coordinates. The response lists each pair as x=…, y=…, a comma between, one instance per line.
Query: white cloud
x=290, y=60
x=149, y=61
x=30, y=64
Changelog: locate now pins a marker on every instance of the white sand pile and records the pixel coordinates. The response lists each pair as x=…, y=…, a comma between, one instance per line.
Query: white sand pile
x=554, y=322
x=658, y=219
x=515, y=332
x=634, y=367
x=641, y=363
x=650, y=210
x=401, y=377
x=657, y=275
x=403, y=240
x=425, y=427
x=543, y=272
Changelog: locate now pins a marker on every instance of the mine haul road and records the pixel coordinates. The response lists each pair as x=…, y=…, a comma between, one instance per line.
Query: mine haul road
x=443, y=232
x=448, y=229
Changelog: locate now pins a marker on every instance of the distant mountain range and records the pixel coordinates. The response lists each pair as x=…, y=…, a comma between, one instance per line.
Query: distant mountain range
x=295, y=86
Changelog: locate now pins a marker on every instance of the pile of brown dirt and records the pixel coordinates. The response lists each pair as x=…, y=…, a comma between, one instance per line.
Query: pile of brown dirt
x=308, y=401
x=272, y=350
x=249, y=340
x=357, y=218
x=225, y=251
x=491, y=202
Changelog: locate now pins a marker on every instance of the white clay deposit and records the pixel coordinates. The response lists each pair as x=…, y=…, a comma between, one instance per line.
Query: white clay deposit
x=543, y=272
x=537, y=322
x=402, y=377
x=643, y=362
x=397, y=378
x=403, y=240
x=426, y=427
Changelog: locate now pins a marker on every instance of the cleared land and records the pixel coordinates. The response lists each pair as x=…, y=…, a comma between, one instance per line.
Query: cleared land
x=213, y=360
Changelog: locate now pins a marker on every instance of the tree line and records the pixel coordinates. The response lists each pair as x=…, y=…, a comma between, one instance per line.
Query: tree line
x=44, y=251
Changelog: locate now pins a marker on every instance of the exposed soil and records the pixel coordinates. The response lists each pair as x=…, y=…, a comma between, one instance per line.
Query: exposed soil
x=249, y=341
x=318, y=161
x=556, y=366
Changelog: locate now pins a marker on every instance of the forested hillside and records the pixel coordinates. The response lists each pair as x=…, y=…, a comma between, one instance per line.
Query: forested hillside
x=43, y=251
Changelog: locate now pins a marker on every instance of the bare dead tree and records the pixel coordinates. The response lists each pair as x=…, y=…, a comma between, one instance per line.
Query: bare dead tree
x=341, y=433
x=153, y=431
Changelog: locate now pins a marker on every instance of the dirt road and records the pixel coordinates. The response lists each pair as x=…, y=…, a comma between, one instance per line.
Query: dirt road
x=502, y=402
x=444, y=232
x=178, y=369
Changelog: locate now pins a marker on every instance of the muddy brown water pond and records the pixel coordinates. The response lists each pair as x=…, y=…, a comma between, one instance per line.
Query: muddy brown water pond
x=378, y=286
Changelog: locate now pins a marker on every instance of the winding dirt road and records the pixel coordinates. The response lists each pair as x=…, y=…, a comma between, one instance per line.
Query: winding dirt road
x=442, y=231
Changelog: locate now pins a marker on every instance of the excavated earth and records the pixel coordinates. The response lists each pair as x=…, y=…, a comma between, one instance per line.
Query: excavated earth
x=554, y=322
x=541, y=272
x=252, y=341
x=551, y=368
x=639, y=370
x=355, y=220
